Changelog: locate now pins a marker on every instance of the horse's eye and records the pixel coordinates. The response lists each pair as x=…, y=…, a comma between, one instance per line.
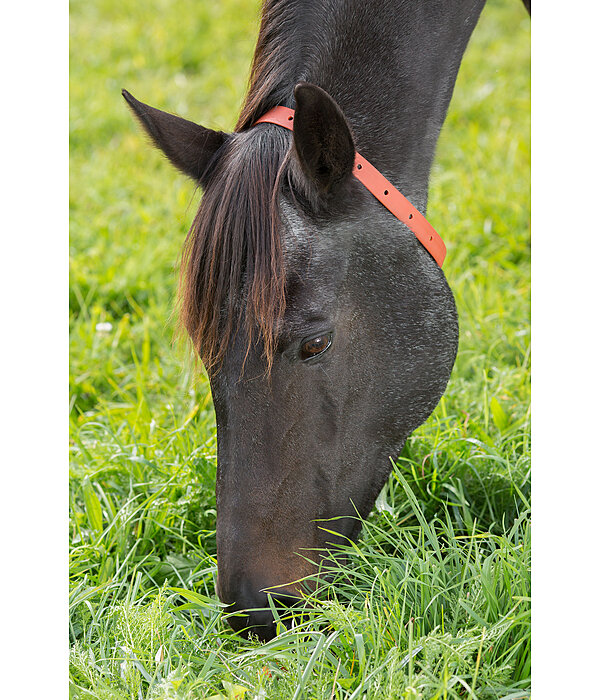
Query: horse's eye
x=315, y=346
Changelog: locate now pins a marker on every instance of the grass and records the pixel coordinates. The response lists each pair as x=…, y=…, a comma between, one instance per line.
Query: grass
x=434, y=601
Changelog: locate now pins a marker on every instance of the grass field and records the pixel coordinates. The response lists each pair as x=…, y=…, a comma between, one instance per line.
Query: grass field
x=435, y=600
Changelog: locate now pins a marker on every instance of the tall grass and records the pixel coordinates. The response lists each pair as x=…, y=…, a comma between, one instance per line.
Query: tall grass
x=433, y=602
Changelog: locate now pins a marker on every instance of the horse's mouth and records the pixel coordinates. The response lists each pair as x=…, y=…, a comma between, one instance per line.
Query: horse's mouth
x=283, y=610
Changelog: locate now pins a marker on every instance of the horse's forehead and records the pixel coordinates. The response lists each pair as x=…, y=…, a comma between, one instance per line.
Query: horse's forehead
x=313, y=246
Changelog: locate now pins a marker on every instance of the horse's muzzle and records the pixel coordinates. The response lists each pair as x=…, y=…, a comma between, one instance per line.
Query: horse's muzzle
x=252, y=613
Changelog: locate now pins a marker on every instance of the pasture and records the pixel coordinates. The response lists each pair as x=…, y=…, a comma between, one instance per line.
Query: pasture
x=435, y=599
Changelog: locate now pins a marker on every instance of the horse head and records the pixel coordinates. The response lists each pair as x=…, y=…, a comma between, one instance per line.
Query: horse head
x=327, y=330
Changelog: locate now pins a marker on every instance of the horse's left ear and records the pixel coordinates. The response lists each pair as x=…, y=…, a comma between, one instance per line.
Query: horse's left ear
x=189, y=146
x=322, y=138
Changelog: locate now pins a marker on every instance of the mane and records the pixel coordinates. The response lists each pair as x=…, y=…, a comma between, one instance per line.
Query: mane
x=277, y=64
x=232, y=267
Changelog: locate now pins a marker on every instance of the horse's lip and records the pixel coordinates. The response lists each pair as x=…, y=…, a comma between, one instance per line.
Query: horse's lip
x=260, y=621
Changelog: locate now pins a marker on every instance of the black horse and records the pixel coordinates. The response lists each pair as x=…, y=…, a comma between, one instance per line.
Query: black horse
x=327, y=330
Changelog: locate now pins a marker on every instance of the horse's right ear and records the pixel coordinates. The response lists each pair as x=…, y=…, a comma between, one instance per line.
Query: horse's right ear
x=322, y=138
x=190, y=147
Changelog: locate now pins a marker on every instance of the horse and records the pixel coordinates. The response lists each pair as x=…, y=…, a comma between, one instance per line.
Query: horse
x=327, y=329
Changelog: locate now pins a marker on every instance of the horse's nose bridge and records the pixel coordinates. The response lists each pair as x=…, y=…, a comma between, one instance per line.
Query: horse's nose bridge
x=249, y=438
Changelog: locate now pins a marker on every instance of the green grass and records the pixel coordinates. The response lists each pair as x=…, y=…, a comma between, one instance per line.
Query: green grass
x=434, y=600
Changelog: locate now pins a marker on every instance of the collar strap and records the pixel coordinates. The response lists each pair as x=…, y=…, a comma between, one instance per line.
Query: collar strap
x=381, y=188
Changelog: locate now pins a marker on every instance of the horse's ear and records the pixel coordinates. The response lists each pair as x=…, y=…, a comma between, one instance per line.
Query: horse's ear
x=188, y=146
x=322, y=138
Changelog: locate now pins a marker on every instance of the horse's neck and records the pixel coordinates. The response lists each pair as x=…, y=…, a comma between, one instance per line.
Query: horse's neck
x=391, y=65
x=398, y=75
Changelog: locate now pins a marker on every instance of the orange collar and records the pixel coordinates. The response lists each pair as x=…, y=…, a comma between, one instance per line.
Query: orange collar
x=381, y=188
